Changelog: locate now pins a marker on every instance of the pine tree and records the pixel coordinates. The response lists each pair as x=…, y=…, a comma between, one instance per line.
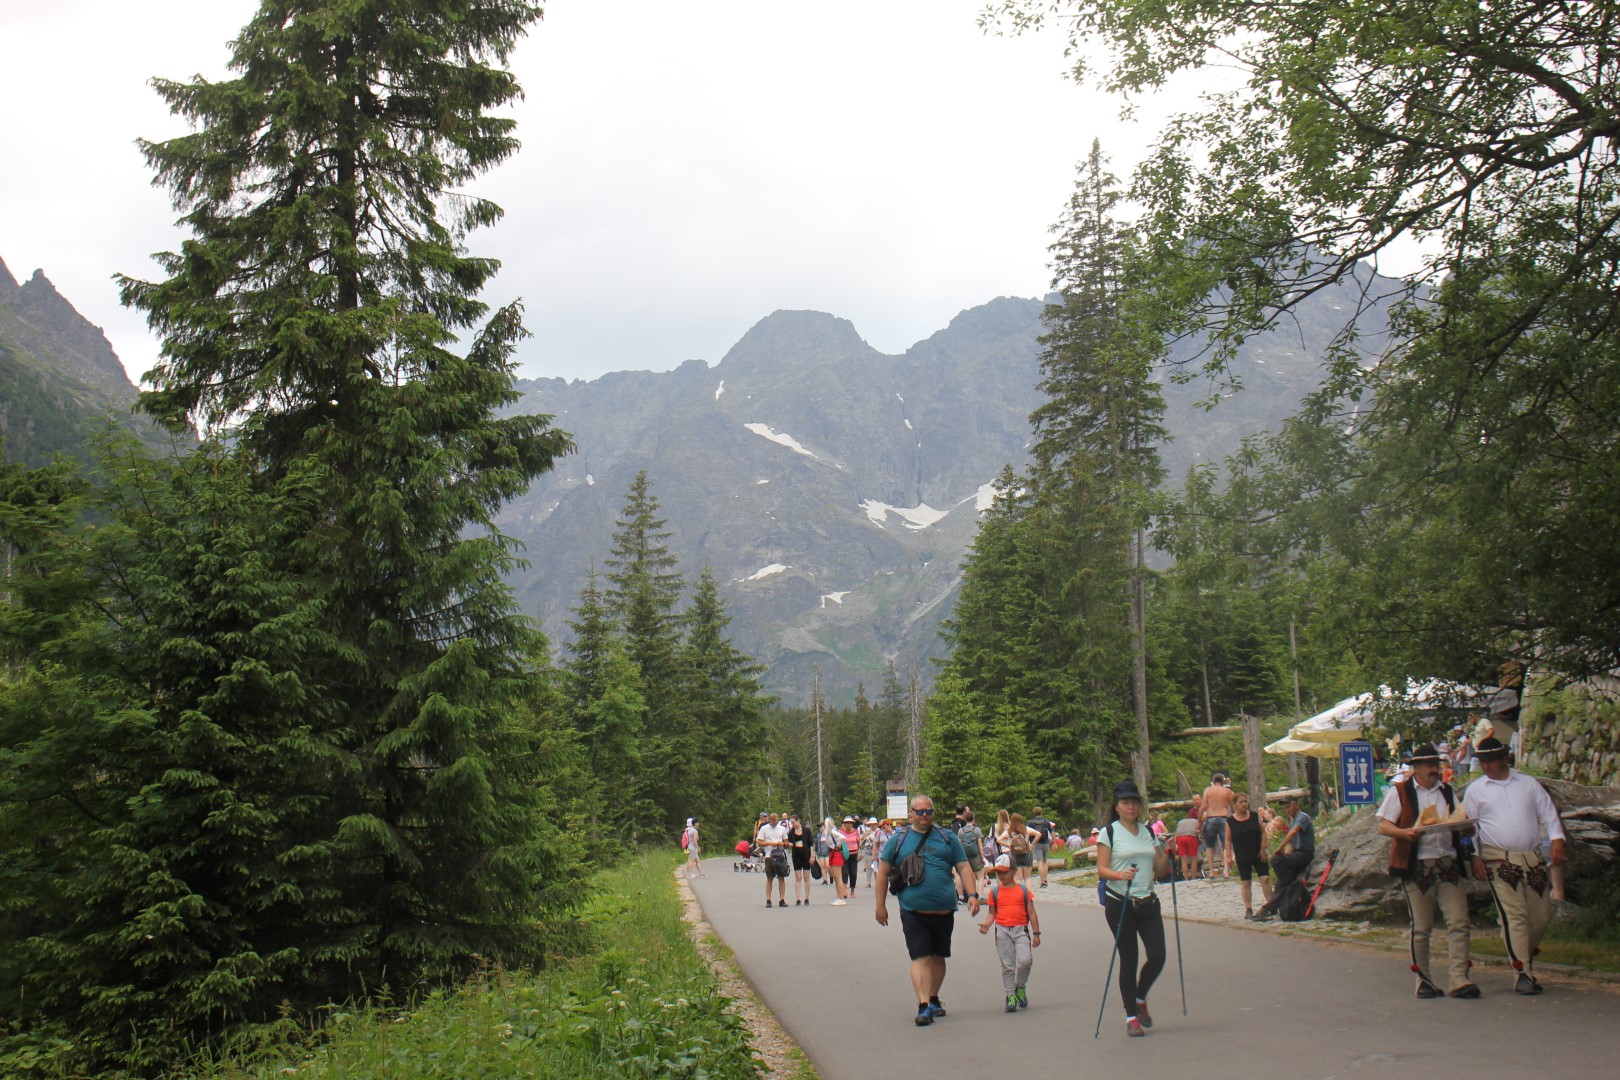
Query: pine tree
x=606, y=707
x=644, y=588
x=1096, y=456
x=727, y=713
x=370, y=656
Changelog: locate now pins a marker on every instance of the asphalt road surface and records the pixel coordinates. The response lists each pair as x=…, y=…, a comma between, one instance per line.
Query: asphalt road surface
x=1258, y=1005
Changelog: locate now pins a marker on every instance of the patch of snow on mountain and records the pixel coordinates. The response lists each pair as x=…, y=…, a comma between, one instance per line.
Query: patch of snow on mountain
x=590, y=481
x=900, y=399
x=908, y=426
x=764, y=481
x=767, y=571
x=916, y=517
x=835, y=597
x=779, y=438
x=985, y=497
x=719, y=389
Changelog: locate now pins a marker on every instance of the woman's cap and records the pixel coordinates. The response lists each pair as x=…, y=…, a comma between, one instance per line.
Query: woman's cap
x=1126, y=789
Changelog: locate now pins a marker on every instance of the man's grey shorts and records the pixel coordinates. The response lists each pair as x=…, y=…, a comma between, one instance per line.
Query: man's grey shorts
x=1043, y=852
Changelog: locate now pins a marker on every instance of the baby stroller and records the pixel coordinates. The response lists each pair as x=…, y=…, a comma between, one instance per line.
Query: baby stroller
x=750, y=860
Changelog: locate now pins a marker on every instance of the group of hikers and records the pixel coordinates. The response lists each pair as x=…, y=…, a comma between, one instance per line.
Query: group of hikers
x=1507, y=833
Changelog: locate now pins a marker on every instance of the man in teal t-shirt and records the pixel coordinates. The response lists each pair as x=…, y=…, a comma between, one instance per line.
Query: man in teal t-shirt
x=927, y=908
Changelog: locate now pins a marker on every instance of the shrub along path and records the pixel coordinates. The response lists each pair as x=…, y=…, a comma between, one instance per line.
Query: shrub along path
x=1285, y=1007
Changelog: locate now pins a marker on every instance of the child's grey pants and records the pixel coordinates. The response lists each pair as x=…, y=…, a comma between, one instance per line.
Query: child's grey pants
x=1013, y=947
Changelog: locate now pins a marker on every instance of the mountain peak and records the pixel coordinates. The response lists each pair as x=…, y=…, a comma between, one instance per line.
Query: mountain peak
x=800, y=336
x=47, y=326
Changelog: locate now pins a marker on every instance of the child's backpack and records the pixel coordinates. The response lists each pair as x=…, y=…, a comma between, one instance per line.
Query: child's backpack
x=1293, y=901
x=995, y=894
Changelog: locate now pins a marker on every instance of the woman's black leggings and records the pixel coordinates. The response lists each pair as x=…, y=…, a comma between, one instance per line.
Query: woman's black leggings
x=851, y=865
x=1147, y=922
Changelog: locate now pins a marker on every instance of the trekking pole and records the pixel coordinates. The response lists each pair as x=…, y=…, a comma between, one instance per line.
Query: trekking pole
x=1124, y=906
x=1175, y=910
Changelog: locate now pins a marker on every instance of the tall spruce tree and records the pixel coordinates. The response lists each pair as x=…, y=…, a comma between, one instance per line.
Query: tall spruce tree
x=1097, y=436
x=644, y=589
x=727, y=710
x=336, y=732
x=606, y=707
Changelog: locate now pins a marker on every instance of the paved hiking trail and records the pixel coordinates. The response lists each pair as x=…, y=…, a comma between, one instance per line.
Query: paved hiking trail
x=1260, y=1005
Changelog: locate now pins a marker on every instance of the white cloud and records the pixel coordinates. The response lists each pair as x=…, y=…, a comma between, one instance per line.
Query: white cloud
x=700, y=165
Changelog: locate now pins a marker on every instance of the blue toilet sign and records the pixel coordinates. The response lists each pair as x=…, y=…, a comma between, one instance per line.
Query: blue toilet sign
x=1356, y=782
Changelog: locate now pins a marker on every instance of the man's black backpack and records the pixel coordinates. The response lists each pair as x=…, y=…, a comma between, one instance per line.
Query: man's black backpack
x=1292, y=902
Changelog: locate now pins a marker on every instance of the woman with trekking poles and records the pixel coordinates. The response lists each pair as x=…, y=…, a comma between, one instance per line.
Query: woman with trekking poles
x=1129, y=859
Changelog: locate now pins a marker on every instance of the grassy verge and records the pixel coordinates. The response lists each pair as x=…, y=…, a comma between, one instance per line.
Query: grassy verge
x=637, y=1002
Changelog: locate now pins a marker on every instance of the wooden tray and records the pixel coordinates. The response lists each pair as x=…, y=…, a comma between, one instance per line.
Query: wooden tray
x=1448, y=826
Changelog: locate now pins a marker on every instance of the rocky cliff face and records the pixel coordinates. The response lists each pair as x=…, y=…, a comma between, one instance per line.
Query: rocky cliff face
x=59, y=376
x=833, y=489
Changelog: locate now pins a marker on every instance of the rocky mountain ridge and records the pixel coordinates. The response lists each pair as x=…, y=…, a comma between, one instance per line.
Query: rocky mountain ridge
x=835, y=490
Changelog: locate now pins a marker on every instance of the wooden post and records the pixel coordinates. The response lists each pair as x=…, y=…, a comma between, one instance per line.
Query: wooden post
x=1253, y=762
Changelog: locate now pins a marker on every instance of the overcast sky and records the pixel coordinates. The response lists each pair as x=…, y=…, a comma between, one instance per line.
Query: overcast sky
x=687, y=168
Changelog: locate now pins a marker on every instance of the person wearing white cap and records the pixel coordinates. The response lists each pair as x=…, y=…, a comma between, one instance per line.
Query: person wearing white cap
x=1010, y=907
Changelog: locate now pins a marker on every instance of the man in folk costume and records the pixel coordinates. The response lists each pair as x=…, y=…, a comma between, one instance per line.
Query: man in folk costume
x=1432, y=867
x=1513, y=810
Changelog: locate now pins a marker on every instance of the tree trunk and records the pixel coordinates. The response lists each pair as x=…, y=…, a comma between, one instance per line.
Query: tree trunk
x=1140, y=763
x=1253, y=762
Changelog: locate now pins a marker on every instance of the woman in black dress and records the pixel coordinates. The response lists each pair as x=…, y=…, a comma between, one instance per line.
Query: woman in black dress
x=1245, y=841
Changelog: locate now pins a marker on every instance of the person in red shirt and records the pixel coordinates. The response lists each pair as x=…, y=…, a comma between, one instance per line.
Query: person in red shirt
x=1010, y=907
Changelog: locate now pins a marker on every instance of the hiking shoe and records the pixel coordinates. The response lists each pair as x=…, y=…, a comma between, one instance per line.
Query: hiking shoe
x=1466, y=990
x=1526, y=984
x=1143, y=1017
x=1133, y=1028
x=1428, y=990
x=1012, y=1002
x=769, y=904
x=781, y=903
x=935, y=1007
x=925, y=1016
x=1023, y=998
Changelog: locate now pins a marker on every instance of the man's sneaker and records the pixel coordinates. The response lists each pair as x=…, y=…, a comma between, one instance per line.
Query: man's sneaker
x=925, y=1016
x=1526, y=984
x=1023, y=998
x=1133, y=1028
x=1142, y=1015
x=769, y=904
x=781, y=903
x=935, y=1008
x=1012, y=1002
x=1428, y=990
x=1466, y=990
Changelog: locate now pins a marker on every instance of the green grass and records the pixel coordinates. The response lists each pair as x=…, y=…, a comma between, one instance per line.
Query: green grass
x=640, y=1002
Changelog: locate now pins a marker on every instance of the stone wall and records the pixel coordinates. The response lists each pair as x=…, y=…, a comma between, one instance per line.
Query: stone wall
x=1574, y=732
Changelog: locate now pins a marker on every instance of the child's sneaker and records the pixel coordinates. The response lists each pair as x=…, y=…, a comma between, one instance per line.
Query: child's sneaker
x=1012, y=1002
x=1023, y=998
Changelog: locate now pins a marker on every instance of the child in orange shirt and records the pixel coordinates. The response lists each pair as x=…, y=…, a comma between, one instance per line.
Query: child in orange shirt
x=1011, y=907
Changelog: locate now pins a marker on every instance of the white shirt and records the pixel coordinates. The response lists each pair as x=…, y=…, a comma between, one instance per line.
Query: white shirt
x=1431, y=845
x=1513, y=812
x=772, y=834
